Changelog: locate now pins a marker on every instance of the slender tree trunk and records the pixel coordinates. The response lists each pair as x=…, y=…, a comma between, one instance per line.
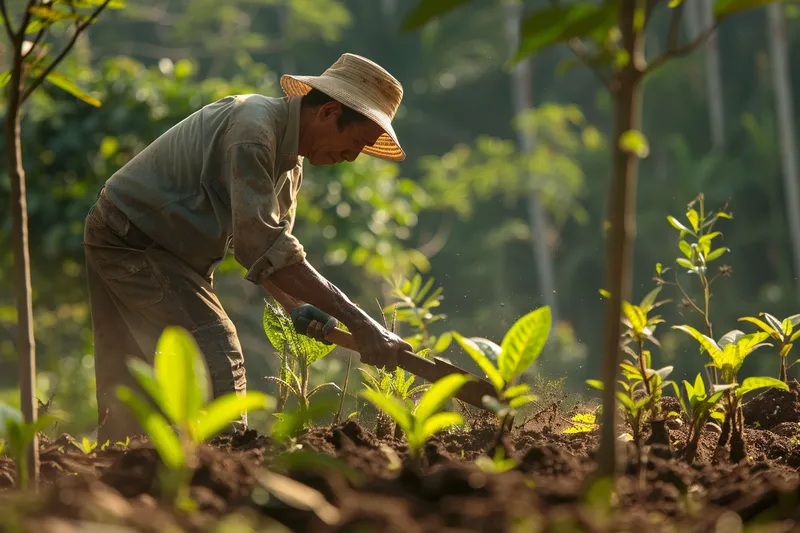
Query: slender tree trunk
x=716, y=100
x=537, y=218
x=627, y=101
x=26, y=347
x=784, y=109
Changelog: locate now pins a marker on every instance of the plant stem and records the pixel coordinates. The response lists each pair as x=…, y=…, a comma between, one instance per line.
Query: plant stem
x=338, y=416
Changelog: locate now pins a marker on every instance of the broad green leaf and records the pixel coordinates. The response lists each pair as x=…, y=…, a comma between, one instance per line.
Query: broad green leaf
x=158, y=430
x=634, y=142
x=706, y=342
x=650, y=299
x=694, y=219
x=761, y=324
x=225, y=409
x=677, y=225
x=785, y=349
x=716, y=254
x=548, y=26
x=625, y=400
x=480, y=358
x=686, y=248
x=731, y=337
x=751, y=384
x=65, y=84
x=427, y=10
x=181, y=374
x=273, y=327
x=685, y=263
x=795, y=335
x=595, y=383
x=516, y=390
x=787, y=327
x=489, y=348
x=519, y=401
x=145, y=376
x=391, y=406
x=706, y=239
x=523, y=343
x=439, y=394
x=440, y=421
x=443, y=342
x=636, y=317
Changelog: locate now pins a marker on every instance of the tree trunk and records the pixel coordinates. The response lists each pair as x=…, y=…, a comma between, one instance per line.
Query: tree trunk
x=537, y=218
x=716, y=101
x=784, y=109
x=26, y=347
x=627, y=101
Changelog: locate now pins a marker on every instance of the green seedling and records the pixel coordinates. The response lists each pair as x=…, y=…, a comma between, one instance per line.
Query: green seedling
x=86, y=446
x=504, y=364
x=727, y=357
x=422, y=421
x=414, y=305
x=125, y=444
x=700, y=408
x=297, y=353
x=498, y=463
x=177, y=385
x=16, y=435
x=783, y=333
x=398, y=384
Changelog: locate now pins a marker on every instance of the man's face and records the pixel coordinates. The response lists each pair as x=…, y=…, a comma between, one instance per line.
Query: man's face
x=330, y=145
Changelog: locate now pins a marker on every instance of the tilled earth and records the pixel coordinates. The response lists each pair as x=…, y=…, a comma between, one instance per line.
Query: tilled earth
x=363, y=484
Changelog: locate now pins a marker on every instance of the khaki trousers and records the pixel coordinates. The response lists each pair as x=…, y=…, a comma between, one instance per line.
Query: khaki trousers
x=136, y=289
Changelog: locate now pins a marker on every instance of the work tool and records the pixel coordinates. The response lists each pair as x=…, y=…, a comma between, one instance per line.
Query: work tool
x=430, y=370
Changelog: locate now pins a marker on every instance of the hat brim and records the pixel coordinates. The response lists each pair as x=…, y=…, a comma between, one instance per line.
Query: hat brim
x=386, y=147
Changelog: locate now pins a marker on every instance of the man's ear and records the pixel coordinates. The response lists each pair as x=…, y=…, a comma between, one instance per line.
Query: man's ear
x=330, y=111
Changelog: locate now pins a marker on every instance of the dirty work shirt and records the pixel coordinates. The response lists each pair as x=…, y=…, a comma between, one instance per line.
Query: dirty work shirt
x=226, y=176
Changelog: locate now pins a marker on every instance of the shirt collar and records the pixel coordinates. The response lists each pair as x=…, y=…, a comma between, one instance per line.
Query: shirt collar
x=289, y=157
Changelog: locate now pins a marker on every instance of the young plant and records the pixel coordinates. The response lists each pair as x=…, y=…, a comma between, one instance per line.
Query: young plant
x=16, y=435
x=497, y=464
x=86, y=446
x=178, y=386
x=297, y=353
x=695, y=241
x=397, y=384
x=421, y=422
x=414, y=305
x=700, y=408
x=504, y=364
x=782, y=331
x=727, y=357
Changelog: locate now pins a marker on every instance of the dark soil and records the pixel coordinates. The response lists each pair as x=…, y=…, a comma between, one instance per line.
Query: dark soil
x=364, y=484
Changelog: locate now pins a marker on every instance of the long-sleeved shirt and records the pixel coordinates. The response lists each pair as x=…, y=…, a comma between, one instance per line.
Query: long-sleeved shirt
x=226, y=176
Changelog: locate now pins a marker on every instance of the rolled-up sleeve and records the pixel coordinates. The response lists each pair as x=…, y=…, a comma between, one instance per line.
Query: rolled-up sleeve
x=262, y=239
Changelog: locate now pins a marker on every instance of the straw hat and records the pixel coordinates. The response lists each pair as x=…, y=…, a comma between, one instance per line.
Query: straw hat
x=364, y=86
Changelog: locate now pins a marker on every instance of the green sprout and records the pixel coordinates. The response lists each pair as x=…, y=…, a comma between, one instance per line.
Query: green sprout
x=414, y=305
x=422, y=421
x=86, y=446
x=297, y=353
x=782, y=331
x=497, y=464
x=398, y=384
x=178, y=385
x=16, y=435
x=504, y=364
x=727, y=357
x=700, y=408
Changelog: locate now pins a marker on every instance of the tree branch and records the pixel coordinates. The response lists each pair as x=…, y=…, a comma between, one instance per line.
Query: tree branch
x=678, y=51
x=580, y=51
x=12, y=35
x=85, y=24
x=35, y=41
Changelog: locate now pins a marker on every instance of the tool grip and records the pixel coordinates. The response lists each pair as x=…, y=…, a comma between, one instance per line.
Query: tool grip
x=407, y=360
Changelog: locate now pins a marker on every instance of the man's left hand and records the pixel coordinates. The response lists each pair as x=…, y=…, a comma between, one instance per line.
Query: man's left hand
x=313, y=322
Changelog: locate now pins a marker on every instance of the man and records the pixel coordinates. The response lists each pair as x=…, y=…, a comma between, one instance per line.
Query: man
x=227, y=177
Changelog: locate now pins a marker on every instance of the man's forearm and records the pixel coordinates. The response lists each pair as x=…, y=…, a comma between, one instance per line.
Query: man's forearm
x=287, y=301
x=301, y=282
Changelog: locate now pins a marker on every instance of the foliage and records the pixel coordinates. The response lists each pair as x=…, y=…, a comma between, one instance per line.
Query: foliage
x=498, y=463
x=297, y=353
x=782, y=332
x=415, y=305
x=86, y=445
x=700, y=408
x=178, y=386
x=16, y=434
x=583, y=423
x=422, y=421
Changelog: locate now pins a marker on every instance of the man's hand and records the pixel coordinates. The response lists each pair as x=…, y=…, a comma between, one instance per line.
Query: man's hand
x=379, y=347
x=312, y=322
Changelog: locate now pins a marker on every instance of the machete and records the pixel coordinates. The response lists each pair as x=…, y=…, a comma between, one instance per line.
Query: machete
x=430, y=370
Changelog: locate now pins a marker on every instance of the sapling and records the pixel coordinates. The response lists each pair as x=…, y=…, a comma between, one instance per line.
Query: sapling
x=397, y=384
x=297, y=353
x=178, y=386
x=414, y=305
x=16, y=435
x=86, y=446
x=422, y=421
x=728, y=356
x=503, y=365
x=700, y=408
x=784, y=334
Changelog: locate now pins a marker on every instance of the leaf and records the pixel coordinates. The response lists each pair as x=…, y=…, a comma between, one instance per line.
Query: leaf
x=392, y=407
x=686, y=248
x=519, y=401
x=65, y=84
x=164, y=440
x=677, y=225
x=439, y=394
x=427, y=10
x=548, y=26
x=634, y=142
x=440, y=421
x=145, y=376
x=636, y=317
x=706, y=342
x=227, y=408
x=685, y=263
x=595, y=383
x=523, y=342
x=489, y=348
x=181, y=374
x=753, y=383
x=650, y=299
x=761, y=324
x=774, y=322
x=516, y=390
x=725, y=8
x=732, y=337
x=483, y=362
x=785, y=349
x=716, y=254
x=694, y=219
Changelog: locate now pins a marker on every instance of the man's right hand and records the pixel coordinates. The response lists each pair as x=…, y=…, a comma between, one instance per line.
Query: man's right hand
x=379, y=347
